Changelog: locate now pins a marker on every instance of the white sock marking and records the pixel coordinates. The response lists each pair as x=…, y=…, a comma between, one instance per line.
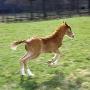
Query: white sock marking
x=29, y=72
x=22, y=71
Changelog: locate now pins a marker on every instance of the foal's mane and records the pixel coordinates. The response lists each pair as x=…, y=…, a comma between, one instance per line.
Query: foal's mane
x=57, y=31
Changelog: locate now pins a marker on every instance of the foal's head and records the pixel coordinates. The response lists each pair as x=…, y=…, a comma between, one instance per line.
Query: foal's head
x=69, y=32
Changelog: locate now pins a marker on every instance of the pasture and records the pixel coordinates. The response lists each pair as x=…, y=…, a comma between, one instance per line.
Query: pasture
x=73, y=72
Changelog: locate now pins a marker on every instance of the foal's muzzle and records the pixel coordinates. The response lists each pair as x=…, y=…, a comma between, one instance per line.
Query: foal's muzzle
x=73, y=35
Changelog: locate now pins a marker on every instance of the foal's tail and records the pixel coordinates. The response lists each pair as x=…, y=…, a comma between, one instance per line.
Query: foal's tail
x=14, y=44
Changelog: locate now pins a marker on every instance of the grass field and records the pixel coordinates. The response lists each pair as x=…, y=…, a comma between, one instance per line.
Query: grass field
x=73, y=72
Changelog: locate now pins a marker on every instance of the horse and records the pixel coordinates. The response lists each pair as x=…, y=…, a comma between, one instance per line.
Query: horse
x=37, y=45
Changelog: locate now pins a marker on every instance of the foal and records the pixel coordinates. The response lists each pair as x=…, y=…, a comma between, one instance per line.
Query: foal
x=50, y=44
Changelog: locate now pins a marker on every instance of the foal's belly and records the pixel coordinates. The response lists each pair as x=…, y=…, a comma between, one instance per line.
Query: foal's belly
x=49, y=47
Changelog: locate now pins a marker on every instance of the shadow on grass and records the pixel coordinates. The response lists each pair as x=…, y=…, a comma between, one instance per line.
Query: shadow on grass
x=57, y=82
x=29, y=84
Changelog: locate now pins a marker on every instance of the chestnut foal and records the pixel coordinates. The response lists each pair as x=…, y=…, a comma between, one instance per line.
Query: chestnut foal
x=50, y=44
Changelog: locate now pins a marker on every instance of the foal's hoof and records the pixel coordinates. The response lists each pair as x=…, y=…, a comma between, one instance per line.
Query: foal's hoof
x=31, y=76
x=52, y=64
x=22, y=77
x=50, y=61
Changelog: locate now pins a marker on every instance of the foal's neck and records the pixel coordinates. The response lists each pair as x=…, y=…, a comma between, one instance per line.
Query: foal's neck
x=59, y=34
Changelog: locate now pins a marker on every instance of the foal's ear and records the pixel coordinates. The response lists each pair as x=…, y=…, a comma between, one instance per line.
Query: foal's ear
x=65, y=22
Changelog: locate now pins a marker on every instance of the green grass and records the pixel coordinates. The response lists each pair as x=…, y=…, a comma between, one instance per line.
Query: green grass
x=74, y=70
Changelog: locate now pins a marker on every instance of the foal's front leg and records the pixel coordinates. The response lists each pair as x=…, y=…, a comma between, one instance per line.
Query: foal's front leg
x=54, y=59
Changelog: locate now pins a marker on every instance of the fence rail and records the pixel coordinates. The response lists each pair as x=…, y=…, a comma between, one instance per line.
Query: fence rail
x=49, y=9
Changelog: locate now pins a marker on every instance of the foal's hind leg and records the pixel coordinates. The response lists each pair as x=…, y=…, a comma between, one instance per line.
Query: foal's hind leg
x=22, y=63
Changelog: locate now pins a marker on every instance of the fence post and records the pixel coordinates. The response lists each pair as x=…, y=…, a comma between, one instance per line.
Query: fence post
x=44, y=8
x=31, y=10
x=89, y=6
x=77, y=6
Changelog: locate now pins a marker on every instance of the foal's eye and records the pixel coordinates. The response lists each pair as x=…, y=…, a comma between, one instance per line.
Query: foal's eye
x=69, y=30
